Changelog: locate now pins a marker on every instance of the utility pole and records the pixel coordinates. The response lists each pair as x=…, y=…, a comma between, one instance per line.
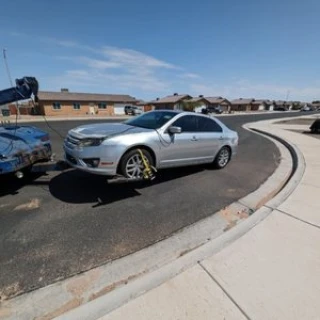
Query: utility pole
x=288, y=92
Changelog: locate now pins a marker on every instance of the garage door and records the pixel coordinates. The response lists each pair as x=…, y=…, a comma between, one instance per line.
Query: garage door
x=119, y=108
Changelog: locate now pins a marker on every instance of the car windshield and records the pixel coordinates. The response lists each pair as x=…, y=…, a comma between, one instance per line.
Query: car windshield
x=151, y=120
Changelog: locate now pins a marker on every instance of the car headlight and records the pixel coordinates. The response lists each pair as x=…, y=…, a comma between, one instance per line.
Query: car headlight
x=91, y=142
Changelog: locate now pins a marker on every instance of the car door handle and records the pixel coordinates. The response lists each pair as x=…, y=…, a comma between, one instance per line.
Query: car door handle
x=194, y=139
x=221, y=138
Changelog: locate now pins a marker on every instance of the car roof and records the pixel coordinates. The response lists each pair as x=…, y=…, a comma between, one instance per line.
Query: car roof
x=168, y=110
x=181, y=112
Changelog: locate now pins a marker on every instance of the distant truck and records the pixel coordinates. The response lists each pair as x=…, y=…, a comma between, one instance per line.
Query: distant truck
x=132, y=110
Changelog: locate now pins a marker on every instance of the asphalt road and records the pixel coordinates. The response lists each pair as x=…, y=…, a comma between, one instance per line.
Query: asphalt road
x=55, y=225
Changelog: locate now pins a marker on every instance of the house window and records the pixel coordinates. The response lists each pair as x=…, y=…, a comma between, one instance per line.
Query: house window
x=56, y=106
x=102, y=105
x=76, y=106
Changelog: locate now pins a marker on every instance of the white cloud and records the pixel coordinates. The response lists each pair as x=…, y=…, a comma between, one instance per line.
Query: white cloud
x=120, y=67
x=113, y=68
x=130, y=57
x=92, y=63
x=107, y=80
x=100, y=64
x=189, y=76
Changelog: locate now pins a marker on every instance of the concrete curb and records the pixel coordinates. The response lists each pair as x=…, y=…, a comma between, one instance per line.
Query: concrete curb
x=148, y=268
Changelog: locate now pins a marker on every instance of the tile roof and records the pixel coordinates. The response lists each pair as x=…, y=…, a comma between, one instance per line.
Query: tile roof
x=260, y=101
x=241, y=101
x=196, y=99
x=171, y=99
x=92, y=97
x=216, y=99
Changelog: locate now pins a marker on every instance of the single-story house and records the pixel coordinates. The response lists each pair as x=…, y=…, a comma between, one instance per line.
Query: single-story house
x=67, y=103
x=214, y=102
x=221, y=102
x=251, y=104
x=174, y=102
x=280, y=104
x=145, y=106
x=200, y=103
x=241, y=104
x=25, y=108
x=4, y=110
x=260, y=104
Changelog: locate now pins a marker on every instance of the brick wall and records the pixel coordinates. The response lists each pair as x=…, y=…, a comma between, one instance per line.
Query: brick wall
x=67, y=109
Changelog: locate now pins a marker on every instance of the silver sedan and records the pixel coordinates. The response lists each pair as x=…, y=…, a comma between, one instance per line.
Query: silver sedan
x=167, y=139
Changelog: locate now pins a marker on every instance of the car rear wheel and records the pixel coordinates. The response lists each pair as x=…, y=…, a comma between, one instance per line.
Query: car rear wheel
x=222, y=158
x=131, y=165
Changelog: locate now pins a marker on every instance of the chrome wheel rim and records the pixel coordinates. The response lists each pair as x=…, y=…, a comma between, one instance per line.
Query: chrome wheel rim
x=223, y=157
x=134, y=166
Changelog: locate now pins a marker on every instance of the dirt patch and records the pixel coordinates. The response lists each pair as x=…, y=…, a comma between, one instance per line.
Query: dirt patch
x=113, y=286
x=233, y=217
x=63, y=309
x=6, y=292
x=78, y=286
x=33, y=204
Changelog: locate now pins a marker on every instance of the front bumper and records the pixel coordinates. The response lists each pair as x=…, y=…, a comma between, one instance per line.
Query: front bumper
x=75, y=158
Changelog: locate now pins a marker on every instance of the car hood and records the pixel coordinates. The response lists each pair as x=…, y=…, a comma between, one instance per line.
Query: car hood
x=104, y=130
x=19, y=139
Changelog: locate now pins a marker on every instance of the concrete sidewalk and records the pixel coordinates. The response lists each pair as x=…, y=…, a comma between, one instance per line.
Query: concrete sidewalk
x=272, y=272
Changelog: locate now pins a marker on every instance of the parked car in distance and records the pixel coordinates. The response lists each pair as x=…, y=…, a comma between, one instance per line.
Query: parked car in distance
x=306, y=108
x=167, y=138
x=280, y=109
x=133, y=110
x=21, y=147
x=207, y=110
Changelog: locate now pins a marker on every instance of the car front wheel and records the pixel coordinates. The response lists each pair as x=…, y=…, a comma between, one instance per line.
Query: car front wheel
x=132, y=166
x=222, y=158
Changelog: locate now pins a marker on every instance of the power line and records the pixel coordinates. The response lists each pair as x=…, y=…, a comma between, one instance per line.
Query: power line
x=10, y=78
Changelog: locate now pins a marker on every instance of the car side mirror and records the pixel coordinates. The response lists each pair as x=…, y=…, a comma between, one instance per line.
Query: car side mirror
x=174, y=130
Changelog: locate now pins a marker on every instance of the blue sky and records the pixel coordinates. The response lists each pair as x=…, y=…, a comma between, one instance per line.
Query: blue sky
x=249, y=48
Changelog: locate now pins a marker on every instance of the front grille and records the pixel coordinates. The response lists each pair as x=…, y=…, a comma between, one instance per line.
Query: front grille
x=71, y=158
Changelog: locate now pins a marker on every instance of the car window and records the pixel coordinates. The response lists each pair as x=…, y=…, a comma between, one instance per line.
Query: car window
x=187, y=124
x=208, y=125
x=151, y=120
